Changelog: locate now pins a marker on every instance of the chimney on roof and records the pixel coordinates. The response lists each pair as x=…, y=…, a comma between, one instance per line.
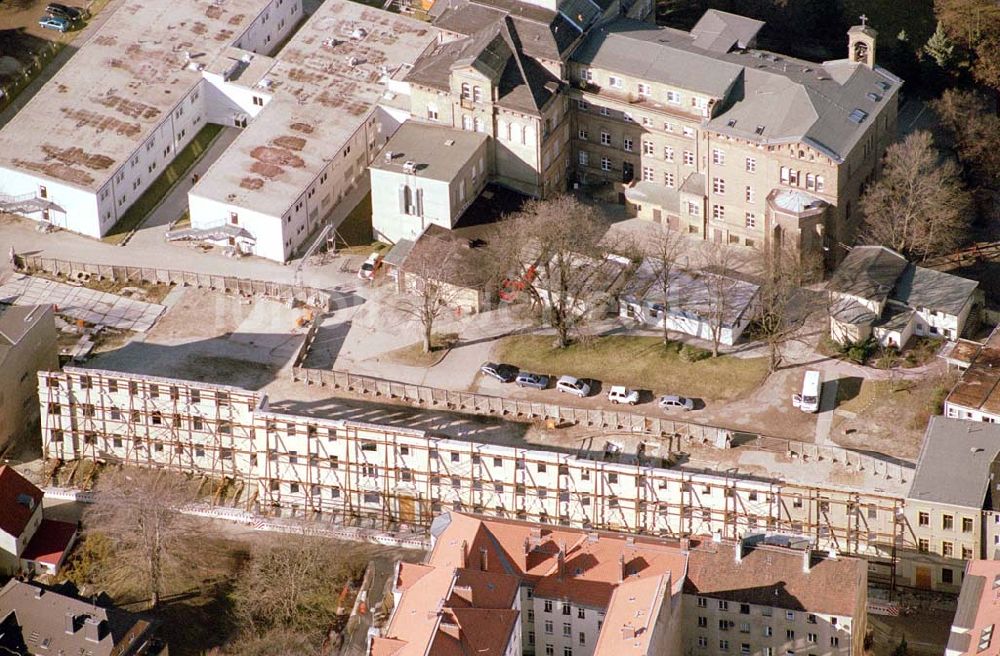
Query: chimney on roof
x=628, y=632
x=465, y=554
x=806, y=560
x=561, y=561
x=39, y=592
x=738, y=551
x=831, y=553
x=622, y=573
x=484, y=559
x=92, y=629
x=685, y=544
x=527, y=546
x=70, y=623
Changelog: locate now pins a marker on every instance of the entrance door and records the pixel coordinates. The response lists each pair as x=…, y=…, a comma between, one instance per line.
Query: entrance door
x=657, y=216
x=717, y=236
x=43, y=192
x=673, y=222
x=407, y=510
x=923, y=577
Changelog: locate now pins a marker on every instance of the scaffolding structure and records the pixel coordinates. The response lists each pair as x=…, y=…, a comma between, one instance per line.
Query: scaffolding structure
x=390, y=477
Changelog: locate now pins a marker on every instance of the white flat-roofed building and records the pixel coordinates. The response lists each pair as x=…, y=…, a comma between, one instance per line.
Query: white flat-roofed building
x=327, y=104
x=94, y=138
x=427, y=174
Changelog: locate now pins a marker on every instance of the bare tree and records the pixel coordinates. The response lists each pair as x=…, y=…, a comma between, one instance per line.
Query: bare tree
x=664, y=251
x=782, y=306
x=918, y=206
x=557, y=251
x=137, y=510
x=720, y=291
x=433, y=277
x=287, y=594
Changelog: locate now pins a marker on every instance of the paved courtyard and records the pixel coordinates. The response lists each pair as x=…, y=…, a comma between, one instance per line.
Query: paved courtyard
x=89, y=305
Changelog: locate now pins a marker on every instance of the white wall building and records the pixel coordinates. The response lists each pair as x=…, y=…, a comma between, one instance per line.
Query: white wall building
x=425, y=174
x=323, y=106
x=88, y=145
x=699, y=304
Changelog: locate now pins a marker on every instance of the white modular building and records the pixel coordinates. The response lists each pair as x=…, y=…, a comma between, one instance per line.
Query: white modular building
x=327, y=104
x=95, y=137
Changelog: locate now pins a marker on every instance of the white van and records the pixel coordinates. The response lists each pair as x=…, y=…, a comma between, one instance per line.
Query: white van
x=812, y=389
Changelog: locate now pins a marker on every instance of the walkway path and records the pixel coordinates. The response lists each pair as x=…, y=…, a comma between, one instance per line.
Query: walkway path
x=827, y=404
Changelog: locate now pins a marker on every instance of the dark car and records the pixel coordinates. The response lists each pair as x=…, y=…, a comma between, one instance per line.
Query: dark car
x=62, y=11
x=537, y=381
x=505, y=373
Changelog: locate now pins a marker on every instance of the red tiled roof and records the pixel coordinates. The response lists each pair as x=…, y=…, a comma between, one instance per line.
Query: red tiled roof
x=772, y=576
x=50, y=542
x=14, y=491
x=386, y=646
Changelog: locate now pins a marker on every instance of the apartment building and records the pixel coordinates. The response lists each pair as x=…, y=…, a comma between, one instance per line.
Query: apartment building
x=978, y=611
x=503, y=586
x=36, y=620
x=95, y=137
x=703, y=132
x=27, y=346
x=348, y=471
x=950, y=518
x=770, y=596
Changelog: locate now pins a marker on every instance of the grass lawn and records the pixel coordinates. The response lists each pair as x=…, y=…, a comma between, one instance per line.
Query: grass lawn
x=638, y=362
x=177, y=169
x=414, y=356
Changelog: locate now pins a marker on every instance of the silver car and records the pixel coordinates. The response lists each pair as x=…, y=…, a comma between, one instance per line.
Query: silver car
x=574, y=386
x=537, y=381
x=672, y=402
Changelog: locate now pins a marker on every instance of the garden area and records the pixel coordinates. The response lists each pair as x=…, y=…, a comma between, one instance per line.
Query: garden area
x=638, y=362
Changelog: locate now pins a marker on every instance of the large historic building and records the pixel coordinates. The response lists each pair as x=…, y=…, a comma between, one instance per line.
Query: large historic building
x=697, y=130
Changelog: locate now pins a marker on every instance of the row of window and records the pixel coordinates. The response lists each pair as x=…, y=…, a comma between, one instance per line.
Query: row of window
x=767, y=651
x=947, y=522
x=947, y=548
x=645, y=90
x=646, y=121
x=794, y=177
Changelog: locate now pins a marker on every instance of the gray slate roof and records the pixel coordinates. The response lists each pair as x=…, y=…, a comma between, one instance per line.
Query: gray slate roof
x=926, y=288
x=428, y=146
x=721, y=31
x=955, y=461
x=524, y=85
x=767, y=98
x=868, y=272
x=41, y=619
x=657, y=54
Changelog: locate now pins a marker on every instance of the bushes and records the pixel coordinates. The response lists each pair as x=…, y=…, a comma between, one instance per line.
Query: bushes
x=690, y=353
x=859, y=352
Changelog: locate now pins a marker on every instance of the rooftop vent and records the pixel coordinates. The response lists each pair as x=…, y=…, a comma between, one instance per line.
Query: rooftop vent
x=759, y=130
x=858, y=116
x=731, y=123
x=449, y=142
x=389, y=155
x=874, y=97
x=409, y=166
x=884, y=86
x=359, y=33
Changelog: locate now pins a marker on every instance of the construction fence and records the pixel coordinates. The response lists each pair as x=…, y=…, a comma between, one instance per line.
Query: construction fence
x=150, y=275
x=677, y=432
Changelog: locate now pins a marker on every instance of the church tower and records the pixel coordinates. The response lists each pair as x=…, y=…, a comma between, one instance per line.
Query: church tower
x=861, y=43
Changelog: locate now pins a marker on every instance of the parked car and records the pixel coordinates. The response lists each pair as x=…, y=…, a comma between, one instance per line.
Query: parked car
x=54, y=23
x=621, y=394
x=672, y=402
x=370, y=266
x=537, y=381
x=71, y=14
x=574, y=386
x=505, y=373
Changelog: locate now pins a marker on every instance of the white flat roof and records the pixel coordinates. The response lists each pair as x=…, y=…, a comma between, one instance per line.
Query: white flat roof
x=103, y=104
x=325, y=82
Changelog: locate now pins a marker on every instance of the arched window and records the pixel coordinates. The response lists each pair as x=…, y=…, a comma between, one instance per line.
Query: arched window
x=465, y=90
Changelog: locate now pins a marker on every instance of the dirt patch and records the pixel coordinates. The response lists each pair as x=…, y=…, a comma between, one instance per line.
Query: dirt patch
x=304, y=128
x=74, y=155
x=277, y=156
x=290, y=142
x=251, y=183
